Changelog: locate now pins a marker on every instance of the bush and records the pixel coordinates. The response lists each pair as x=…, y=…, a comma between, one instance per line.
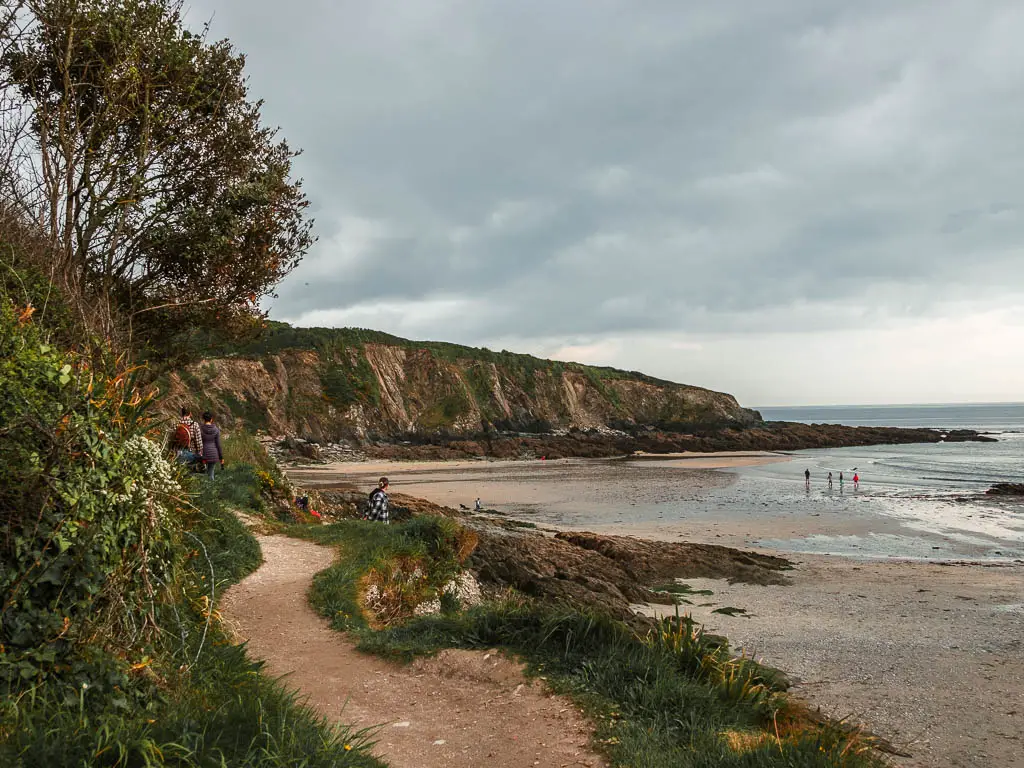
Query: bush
x=111, y=563
x=87, y=507
x=197, y=701
x=386, y=570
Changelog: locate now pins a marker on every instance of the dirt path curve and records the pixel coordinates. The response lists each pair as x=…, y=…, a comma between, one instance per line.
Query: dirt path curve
x=460, y=708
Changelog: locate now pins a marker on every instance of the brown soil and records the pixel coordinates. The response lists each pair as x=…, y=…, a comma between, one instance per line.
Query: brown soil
x=459, y=708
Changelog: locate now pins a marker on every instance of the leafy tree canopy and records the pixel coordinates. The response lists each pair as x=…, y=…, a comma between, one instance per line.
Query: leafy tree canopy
x=134, y=142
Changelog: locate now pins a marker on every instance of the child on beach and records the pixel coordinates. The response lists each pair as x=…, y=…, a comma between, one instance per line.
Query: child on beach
x=856, y=480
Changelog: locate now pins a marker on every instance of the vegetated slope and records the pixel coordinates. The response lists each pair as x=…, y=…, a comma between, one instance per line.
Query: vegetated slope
x=333, y=383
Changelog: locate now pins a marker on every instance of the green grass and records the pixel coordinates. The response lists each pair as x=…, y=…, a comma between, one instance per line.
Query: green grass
x=675, y=697
x=196, y=700
x=369, y=545
x=241, y=447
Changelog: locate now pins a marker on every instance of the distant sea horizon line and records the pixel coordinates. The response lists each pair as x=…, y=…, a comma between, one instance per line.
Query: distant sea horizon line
x=959, y=404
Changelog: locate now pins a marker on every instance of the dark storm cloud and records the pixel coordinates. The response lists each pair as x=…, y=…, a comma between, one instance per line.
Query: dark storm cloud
x=605, y=167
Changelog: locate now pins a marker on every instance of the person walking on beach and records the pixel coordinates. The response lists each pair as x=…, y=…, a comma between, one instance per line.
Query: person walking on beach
x=212, y=454
x=379, y=502
x=187, y=440
x=477, y=507
x=830, y=481
x=856, y=481
x=807, y=478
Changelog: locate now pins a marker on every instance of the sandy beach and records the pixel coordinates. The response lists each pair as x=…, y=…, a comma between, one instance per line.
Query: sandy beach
x=926, y=653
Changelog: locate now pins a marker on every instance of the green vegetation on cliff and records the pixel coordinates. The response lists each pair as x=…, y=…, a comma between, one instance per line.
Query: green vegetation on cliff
x=328, y=383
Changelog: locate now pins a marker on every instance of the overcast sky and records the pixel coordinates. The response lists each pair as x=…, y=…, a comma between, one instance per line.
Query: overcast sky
x=796, y=201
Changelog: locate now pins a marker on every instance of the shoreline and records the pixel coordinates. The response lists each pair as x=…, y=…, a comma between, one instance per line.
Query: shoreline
x=927, y=653
x=693, y=459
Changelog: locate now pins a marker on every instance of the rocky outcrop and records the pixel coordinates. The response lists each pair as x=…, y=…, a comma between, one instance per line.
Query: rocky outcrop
x=1009, y=490
x=594, y=571
x=397, y=399
x=329, y=385
x=766, y=436
x=607, y=573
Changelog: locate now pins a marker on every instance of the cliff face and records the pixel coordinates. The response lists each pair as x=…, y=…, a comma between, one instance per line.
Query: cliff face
x=329, y=385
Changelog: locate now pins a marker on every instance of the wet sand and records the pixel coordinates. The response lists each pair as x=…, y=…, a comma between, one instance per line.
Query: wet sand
x=926, y=654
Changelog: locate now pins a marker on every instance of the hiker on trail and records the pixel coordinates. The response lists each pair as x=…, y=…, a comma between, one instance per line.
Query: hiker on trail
x=187, y=440
x=830, y=481
x=477, y=507
x=212, y=454
x=379, y=502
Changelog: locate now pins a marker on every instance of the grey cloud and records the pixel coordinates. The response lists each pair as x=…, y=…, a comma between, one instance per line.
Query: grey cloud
x=584, y=168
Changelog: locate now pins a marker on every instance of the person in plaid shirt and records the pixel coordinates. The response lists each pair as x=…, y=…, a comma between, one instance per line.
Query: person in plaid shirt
x=379, y=502
x=193, y=452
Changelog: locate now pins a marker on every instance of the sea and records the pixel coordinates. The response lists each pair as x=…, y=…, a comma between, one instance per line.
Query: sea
x=934, y=490
x=923, y=501
x=917, y=502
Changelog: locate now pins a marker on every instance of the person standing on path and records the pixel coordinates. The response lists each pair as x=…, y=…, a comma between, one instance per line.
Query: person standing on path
x=188, y=439
x=379, y=502
x=212, y=454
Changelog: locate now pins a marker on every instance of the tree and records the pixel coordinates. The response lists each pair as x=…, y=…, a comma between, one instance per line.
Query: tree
x=134, y=143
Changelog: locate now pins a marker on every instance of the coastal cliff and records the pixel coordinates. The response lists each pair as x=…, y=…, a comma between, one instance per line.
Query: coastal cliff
x=337, y=384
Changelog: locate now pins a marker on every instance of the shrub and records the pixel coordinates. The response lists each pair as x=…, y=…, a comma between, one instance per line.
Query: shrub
x=87, y=506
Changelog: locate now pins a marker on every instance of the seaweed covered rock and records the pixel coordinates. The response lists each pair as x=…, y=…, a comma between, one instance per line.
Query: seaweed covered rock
x=607, y=573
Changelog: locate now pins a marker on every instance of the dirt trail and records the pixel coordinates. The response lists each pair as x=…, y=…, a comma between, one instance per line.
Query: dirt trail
x=460, y=708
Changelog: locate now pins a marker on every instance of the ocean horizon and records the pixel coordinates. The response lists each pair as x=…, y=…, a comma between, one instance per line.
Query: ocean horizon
x=984, y=417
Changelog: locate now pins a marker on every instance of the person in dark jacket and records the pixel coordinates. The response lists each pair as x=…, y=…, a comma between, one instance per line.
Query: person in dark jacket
x=212, y=454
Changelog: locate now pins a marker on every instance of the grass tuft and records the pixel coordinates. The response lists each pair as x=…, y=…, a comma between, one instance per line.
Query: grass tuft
x=674, y=697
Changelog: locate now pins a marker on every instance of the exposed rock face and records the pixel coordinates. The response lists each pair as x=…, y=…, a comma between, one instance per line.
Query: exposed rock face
x=371, y=390
x=410, y=400
x=766, y=436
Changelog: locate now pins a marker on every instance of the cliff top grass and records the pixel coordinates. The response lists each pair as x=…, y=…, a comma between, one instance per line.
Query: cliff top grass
x=280, y=337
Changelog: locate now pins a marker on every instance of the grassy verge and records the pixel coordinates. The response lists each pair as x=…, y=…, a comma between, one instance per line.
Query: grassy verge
x=194, y=699
x=674, y=697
